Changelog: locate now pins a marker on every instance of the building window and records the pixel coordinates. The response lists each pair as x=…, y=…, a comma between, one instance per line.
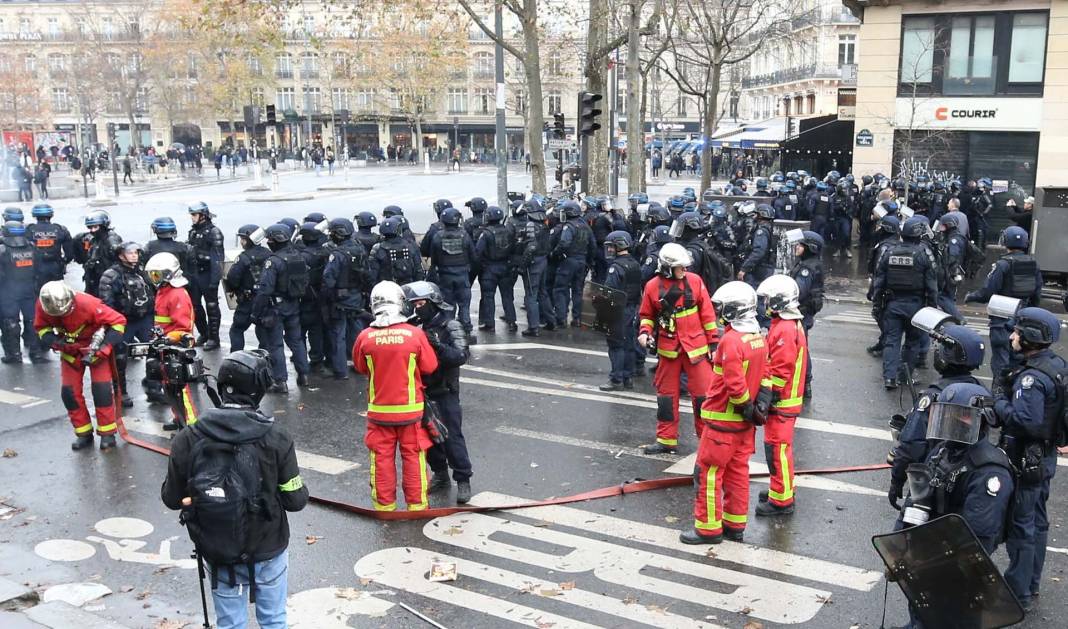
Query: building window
x=681, y=111
x=284, y=66
x=556, y=65
x=309, y=66
x=520, y=103
x=24, y=25
x=554, y=103
x=1028, y=51
x=339, y=98
x=112, y=99
x=847, y=50
x=29, y=62
x=397, y=100
x=255, y=68
x=917, y=50
x=53, y=27
x=57, y=64
x=810, y=101
x=257, y=96
x=107, y=29
x=191, y=65
x=457, y=100
x=313, y=100
x=970, y=68
x=483, y=65
x=285, y=98
x=365, y=100
x=340, y=65
x=484, y=101
x=309, y=24
x=60, y=100
x=141, y=100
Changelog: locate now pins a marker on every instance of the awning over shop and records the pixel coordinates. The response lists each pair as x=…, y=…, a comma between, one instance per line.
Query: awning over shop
x=766, y=134
x=826, y=134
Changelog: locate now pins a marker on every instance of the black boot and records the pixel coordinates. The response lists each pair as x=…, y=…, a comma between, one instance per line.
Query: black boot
x=82, y=442
x=12, y=359
x=735, y=535
x=439, y=482
x=279, y=388
x=107, y=442
x=214, y=316
x=463, y=492
x=769, y=509
x=531, y=333
x=302, y=380
x=693, y=538
x=513, y=326
x=659, y=448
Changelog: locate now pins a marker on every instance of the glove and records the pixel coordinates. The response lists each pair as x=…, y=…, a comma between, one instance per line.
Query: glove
x=1005, y=379
x=764, y=401
x=895, y=493
x=752, y=415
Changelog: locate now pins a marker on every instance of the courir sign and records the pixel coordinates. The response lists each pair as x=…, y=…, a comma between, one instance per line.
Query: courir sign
x=969, y=114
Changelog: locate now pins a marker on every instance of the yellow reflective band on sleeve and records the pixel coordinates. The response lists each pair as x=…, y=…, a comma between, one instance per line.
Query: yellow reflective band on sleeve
x=777, y=381
x=693, y=353
x=788, y=402
x=292, y=484
x=742, y=399
x=43, y=331
x=644, y=322
x=711, y=325
x=711, y=524
x=81, y=430
x=667, y=353
x=685, y=313
x=736, y=519
x=67, y=357
x=411, y=380
x=119, y=327
x=717, y=369
x=162, y=319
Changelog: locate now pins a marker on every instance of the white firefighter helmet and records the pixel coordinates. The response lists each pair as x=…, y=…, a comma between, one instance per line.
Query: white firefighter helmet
x=735, y=303
x=672, y=255
x=781, y=296
x=164, y=267
x=387, y=304
x=57, y=298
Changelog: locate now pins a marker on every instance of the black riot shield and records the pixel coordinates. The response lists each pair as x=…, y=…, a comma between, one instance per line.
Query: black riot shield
x=947, y=576
x=602, y=307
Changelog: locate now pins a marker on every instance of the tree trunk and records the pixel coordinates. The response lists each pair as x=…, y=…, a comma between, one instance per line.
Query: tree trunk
x=652, y=130
x=532, y=67
x=635, y=104
x=418, y=140
x=596, y=179
x=711, y=101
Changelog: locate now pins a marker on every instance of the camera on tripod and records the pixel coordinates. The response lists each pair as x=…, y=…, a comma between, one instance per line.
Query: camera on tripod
x=173, y=364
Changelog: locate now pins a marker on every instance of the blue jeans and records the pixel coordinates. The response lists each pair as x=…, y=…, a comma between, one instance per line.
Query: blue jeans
x=231, y=601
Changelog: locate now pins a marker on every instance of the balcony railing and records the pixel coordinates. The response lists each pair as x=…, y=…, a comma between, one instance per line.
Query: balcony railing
x=283, y=74
x=791, y=75
x=823, y=15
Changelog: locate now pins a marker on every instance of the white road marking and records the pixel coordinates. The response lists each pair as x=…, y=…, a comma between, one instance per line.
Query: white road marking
x=406, y=569
x=556, y=348
x=684, y=467
x=18, y=399
x=332, y=608
x=765, y=598
x=660, y=537
x=36, y=403
x=610, y=448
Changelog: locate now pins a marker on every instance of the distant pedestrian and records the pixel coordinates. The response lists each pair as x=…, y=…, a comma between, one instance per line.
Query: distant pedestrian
x=40, y=177
x=25, y=181
x=330, y=159
x=455, y=159
x=127, y=169
x=657, y=162
x=218, y=165
x=526, y=162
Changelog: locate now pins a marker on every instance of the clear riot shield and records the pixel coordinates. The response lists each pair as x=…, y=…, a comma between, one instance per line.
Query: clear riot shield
x=602, y=307
x=948, y=578
x=231, y=298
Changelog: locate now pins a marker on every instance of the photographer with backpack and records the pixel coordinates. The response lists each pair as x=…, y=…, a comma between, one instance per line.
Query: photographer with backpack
x=234, y=475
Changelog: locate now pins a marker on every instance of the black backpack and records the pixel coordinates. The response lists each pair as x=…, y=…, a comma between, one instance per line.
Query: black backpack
x=1056, y=426
x=224, y=484
x=713, y=269
x=974, y=259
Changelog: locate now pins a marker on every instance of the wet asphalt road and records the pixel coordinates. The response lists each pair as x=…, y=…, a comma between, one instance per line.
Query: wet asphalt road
x=537, y=427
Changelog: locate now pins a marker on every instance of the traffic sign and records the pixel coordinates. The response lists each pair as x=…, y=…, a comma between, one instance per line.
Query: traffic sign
x=562, y=143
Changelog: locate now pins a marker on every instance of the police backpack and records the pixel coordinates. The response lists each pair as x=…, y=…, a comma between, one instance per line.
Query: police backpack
x=1056, y=424
x=974, y=259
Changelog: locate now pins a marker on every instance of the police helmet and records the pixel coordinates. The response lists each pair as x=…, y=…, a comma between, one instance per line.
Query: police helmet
x=791, y=176
x=789, y=187
x=949, y=220
x=129, y=247
x=391, y=227
x=866, y=180
x=1037, y=326
x=735, y=301
x=890, y=224
x=533, y=209
x=689, y=193
x=341, y=228
x=776, y=178
x=780, y=294
x=658, y=215
x=494, y=214
x=392, y=210
x=638, y=198
x=164, y=267
x=677, y=202
x=985, y=183
x=13, y=214
x=570, y=209
x=691, y=220
x=812, y=241
x=619, y=239
x=822, y=186
x=278, y=234
x=56, y=298
x=719, y=214
x=803, y=174
x=672, y=255
x=662, y=235
x=315, y=217
x=251, y=232
x=451, y=217
x=761, y=183
x=292, y=224
x=97, y=218
x=1014, y=237
x=415, y=291
x=42, y=210
x=366, y=219
x=765, y=212
x=164, y=227
x=959, y=413
x=13, y=228
x=914, y=228
x=440, y=205
x=309, y=231
x=244, y=377
x=958, y=346
x=477, y=205
x=200, y=208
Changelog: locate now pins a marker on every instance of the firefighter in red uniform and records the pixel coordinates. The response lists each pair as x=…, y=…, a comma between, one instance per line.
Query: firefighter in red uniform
x=394, y=355
x=729, y=417
x=83, y=330
x=174, y=320
x=782, y=391
x=676, y=310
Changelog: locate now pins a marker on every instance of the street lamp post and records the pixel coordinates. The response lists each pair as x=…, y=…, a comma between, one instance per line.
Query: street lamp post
x=501, y=133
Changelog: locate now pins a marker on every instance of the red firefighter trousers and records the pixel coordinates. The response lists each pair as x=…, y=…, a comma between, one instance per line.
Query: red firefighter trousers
x=666, y=381
x=779, y=451
x=71, y=374
x=722, y=478
x=382, y=442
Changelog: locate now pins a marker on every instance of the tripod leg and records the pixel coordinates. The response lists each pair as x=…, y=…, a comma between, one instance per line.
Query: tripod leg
x=203, y=595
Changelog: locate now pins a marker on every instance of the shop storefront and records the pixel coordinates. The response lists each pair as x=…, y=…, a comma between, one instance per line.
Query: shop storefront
x=822, y=144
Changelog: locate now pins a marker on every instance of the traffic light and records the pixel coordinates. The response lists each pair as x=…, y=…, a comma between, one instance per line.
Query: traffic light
x=588, y=112
x=559, y=131
x=272, y=118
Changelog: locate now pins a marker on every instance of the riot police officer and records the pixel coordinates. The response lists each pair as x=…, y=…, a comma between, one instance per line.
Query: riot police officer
x=126, y=289
x=494, y=252
x=442, y=386
x=18, y=285
x=952, y=250
x=276, y=306
x=344, y=283
x=889, y=234
x=95, y=249
x=52, y=241
x=394, y=259
x=760, y=263
x=981, y=205
x=240, y=281
x=624, y=275
x=841, y=222
x=1015, y=274
x=786, y=204
x=315, y=253
x=819, y=207
x=472, y=225
x=958, y=352
x=575, y=248
x=166, y=231
x=601, y=224
x=452, y=253
x=1030, y=410
x=651, y=262
x=206, y=241
x=808, y=273
x=438, y=206
x=365, y=222
x=905, y=280
x=533, y=252
x=404, y=230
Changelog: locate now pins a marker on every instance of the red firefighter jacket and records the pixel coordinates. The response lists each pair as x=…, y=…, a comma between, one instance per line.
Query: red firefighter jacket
x=787, y=364
x=692, y=327
x=174, y=312
x=394, y=359
x=73, y=332
x=737, y=369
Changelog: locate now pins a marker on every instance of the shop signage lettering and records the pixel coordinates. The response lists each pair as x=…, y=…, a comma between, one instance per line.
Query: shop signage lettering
x=945, y=113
